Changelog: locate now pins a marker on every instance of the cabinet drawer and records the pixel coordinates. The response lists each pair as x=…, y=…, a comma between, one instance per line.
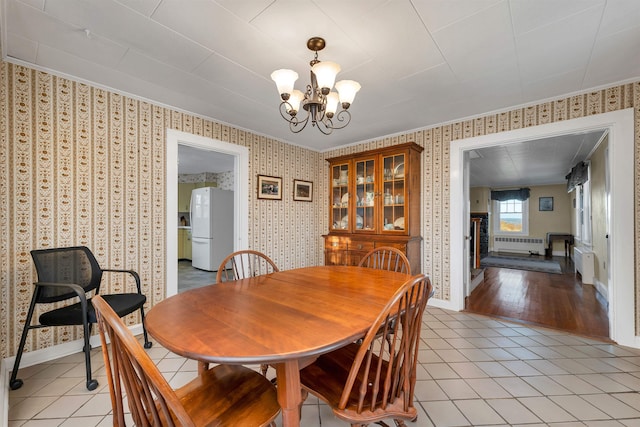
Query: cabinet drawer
x=361, y=245
x=336, y=257
x=335, y=244
x=356, y=256
x=400, y=246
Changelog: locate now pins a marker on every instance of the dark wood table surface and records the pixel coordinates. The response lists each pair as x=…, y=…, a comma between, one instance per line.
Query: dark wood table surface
x=282, y=319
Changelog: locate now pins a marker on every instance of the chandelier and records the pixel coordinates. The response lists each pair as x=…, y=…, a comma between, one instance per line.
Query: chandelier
x=320, y=103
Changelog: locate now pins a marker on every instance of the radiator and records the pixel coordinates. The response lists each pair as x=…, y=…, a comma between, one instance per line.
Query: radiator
x=583, y=260
x=519, y=244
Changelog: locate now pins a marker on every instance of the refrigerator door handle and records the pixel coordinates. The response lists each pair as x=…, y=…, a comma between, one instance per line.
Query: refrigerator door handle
x=190, y=209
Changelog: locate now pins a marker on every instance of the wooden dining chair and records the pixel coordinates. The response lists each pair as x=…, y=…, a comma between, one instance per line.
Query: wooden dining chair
x=370, y=381
x=386, y=258
x=243, y=264
x=227, y=395
x=240, y=265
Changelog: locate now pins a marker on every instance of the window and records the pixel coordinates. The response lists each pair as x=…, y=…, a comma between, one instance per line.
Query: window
x=583, y=213
x=511, y=217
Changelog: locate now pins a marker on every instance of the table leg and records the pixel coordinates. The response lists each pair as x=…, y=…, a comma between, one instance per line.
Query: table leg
x=289, y=395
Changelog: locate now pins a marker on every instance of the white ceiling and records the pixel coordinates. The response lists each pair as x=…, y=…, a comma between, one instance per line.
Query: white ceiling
x=192, y=160
x=537, y=162
x=420, y=62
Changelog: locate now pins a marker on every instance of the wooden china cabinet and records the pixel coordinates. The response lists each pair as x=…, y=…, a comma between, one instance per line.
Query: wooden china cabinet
x=374, y=200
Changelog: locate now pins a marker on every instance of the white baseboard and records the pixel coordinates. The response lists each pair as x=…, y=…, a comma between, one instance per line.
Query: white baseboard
x=476, y=281
x=602, y=289
x=41, y=356
x=440, y=303
x=61, y=350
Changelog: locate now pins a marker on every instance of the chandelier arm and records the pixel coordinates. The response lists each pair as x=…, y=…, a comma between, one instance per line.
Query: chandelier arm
x=293, y=125
x=293, y=121
x=343, y=117
x=283, y=108
x=325, y=127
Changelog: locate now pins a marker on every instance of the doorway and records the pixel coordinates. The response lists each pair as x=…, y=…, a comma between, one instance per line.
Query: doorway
x=211, y=147
x=621, y=289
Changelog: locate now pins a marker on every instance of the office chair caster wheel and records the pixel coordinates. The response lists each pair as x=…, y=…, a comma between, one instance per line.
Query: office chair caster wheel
x=92, y=385
x=16, y=384
x=148, y=344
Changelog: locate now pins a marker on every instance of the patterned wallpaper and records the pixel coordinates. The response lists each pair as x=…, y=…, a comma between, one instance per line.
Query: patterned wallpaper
x=223, y=180
x=81, y=165
x=84, y=166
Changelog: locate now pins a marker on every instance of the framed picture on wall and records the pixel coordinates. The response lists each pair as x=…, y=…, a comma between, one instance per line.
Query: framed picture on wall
x=545, y=204
x=269, y=187
x=302, y=190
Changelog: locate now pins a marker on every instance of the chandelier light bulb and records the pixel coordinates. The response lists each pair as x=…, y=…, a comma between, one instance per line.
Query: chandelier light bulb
x=285, y=79
x=326, y=72
x=347, y=90
x=294, y=101
x=332, y=104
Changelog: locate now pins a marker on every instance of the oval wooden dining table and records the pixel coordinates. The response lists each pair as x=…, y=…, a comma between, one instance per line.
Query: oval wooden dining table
x=283, y=319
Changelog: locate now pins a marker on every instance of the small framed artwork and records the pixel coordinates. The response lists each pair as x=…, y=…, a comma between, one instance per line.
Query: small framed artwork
x=302, y=190
x=269, y=187
x=545, y=204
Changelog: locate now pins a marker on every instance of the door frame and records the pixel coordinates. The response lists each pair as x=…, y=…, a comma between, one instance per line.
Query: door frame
x=621, y=154
x=240, y=195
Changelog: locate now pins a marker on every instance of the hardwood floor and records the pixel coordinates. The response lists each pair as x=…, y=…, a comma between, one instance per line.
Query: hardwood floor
x=558, y=301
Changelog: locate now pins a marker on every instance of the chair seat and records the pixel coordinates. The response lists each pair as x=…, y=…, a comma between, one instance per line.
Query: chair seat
x=235, y=396
x=122, y=304
x=328, y=375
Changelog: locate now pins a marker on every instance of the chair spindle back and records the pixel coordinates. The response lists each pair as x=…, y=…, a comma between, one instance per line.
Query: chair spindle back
x=386, y=258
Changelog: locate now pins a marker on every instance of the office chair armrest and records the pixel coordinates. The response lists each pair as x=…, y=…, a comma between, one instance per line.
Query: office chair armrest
x=131, y=272
x=79, y=290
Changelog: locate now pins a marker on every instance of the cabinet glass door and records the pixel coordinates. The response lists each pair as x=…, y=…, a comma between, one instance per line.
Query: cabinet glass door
x=393, y=193
x=340, y=197
x=365, y=194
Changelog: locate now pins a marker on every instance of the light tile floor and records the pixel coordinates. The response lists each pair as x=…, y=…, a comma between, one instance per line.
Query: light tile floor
x=473, y=371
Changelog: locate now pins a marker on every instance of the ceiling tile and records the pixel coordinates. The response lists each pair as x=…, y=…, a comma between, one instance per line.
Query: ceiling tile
x=619, y=15
x=218, y=30
x=22, y=48
x=410, y=50
x=437, y=14
x=32, y=24
x=546, y=88
x=145, y=7
x=245, y=9
x=531, y=15
x=291, y=23
x=434, y=83
x=37, y=4
x=479, y=44
x=614, y=57
x=160, y=74
x=133, y=30
x=239, y=80
x=541, y=54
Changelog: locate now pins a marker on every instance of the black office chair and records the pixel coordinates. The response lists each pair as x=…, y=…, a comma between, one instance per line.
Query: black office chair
x=66, y=273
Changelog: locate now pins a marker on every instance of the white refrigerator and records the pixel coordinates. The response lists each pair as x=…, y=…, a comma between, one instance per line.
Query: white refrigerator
x=211, y=227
